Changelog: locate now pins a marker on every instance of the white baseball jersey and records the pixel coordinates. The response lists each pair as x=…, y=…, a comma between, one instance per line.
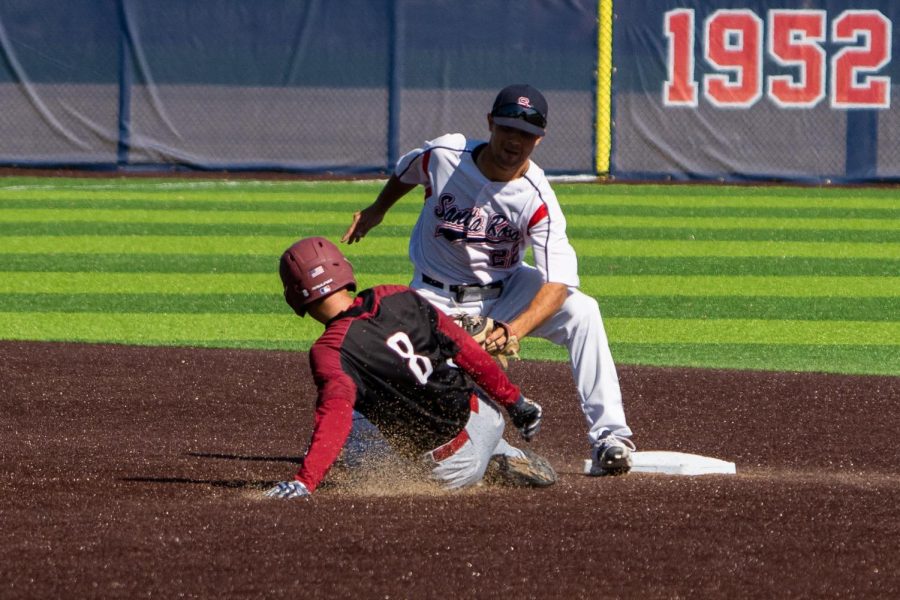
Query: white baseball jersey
x=474, y=230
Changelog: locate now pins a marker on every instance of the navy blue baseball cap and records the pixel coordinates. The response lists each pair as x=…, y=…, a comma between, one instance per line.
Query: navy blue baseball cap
x=521, y=106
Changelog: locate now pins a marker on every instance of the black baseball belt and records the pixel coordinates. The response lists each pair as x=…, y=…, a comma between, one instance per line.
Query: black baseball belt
x=468, y=292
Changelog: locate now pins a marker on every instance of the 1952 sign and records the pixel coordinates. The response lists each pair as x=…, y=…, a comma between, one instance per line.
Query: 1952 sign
x=733, y=46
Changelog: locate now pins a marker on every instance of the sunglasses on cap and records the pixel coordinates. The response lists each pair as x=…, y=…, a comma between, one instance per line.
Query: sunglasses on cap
x=517, y=111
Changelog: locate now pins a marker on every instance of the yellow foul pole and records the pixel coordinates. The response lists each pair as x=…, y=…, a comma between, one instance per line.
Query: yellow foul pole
x=604, y=86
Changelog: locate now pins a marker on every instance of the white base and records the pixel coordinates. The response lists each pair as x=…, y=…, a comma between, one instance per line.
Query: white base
x=675, y=463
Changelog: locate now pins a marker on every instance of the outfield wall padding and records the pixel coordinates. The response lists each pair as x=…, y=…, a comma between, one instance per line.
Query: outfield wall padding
x=347, y=87
x=754, y=89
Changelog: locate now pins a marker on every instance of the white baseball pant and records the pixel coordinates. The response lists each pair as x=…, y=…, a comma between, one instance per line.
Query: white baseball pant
x=462, y=461
x=578, y=326
x=459, y=463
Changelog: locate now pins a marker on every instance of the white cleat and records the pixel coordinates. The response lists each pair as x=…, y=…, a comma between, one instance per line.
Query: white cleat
x=611, y=456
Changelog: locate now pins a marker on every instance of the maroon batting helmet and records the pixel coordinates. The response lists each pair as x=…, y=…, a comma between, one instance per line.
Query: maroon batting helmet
x=313, y=269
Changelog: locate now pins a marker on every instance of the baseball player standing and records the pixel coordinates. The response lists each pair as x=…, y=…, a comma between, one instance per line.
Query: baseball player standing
x=410, y=370
x=485, y=202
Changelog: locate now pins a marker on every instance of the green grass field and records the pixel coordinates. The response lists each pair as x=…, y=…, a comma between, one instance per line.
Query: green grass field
x=776, y=278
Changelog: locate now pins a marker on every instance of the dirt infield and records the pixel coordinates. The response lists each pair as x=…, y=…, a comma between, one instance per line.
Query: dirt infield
x=136, y=472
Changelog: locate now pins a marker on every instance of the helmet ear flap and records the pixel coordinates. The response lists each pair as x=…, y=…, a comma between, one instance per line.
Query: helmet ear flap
x=290, y=278
x=294, y=298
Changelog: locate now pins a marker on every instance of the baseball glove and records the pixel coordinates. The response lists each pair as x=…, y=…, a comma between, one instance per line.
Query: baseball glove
x=532, y=470
x=481, y=328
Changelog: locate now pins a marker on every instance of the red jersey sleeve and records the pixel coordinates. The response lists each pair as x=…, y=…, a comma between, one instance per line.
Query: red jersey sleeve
x=334, y=415
x=472, y=359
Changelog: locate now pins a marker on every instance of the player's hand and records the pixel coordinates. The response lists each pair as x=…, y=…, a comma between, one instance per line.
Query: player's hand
x=526, y=415
x=495, y=337
x=288, y=489
x=499, y=338
x=363, y=222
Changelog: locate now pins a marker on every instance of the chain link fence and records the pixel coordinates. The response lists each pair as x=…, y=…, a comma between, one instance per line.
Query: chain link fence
x=286, y=84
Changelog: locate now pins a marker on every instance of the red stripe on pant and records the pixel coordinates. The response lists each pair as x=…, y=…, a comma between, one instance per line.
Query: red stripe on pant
x=447, y=450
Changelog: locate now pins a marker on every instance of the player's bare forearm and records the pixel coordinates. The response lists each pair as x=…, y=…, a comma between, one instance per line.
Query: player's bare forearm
x=367, y=219
x=546, y=302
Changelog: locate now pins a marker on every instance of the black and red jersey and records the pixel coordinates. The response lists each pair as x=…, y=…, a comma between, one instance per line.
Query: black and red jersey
x=402, y=363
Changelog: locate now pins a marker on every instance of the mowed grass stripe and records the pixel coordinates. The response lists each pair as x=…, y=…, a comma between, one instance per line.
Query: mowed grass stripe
x=157, y=283
x=751, y=331
x=181, y=263
x=598, y=286
x=325, y=198
x=700, y=248
x=601, y=286
x=718, y=195
x=822, y=308
x=678, y=307
x=334, y=231
x=232, y=216
x=400, y=265
x=408, y=208
x=63, y=217
x=14, y=209
x=162, y=184
x=723, y=266
x=779, y=197
x=183, y=189
x=387, y=246
x=856, y=359
x=131, y=326
x=145, y=303
x=880, y=236
x=301, y=202
x=296, y=228
x=619, y=207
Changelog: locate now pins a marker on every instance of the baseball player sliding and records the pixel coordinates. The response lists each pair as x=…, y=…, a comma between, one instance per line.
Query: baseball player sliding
x=485, y=202
x=411, y=371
